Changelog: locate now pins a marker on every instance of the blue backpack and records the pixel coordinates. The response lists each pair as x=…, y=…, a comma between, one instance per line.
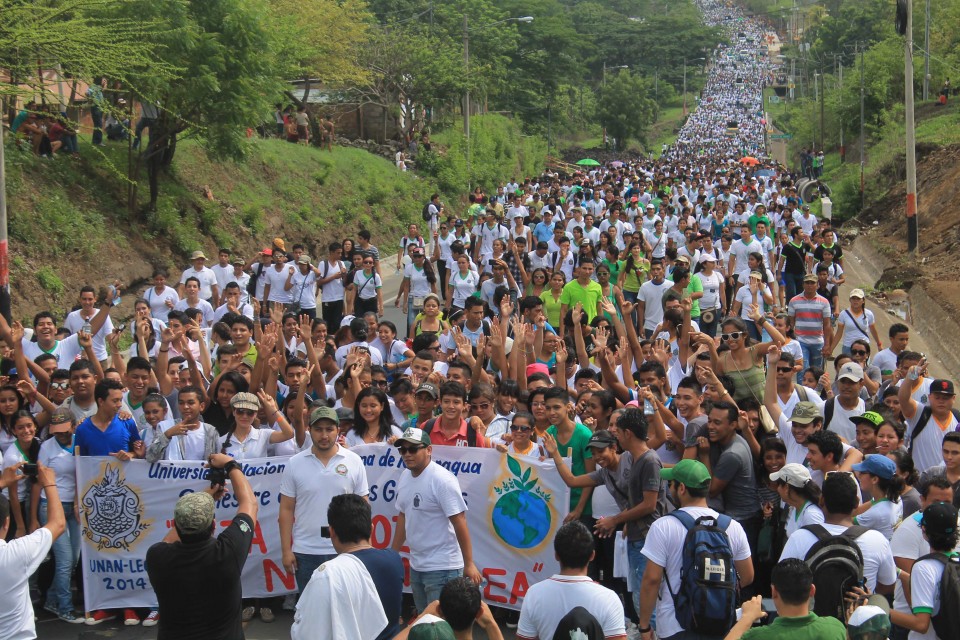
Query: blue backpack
x=707, y=599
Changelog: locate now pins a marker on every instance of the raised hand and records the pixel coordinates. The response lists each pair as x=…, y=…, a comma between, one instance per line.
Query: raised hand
x=268, y=403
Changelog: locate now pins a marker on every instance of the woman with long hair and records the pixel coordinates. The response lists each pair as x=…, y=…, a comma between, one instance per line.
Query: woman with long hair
x=11, y=402
x=463, y=283
x=372, y=424
x=347, y=247
x=754, y=293
x=907, y=471
x=610, y=291
x=743, y=359
x=430, y=319
x=419, y=280
x=538, y=282
x=219, y=411
x=25, y=449
x=801, y=494
x=366, y=288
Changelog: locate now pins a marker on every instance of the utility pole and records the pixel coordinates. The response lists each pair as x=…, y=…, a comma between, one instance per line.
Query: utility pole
x=843, y=149
x=911, y=136
x=466, y=96
x=926, y=55
x=863, y=140
x=823, y=91
x=816, y=99
x=4, y=245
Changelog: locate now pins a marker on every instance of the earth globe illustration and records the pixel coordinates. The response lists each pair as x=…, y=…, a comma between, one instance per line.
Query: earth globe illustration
x=521, y=519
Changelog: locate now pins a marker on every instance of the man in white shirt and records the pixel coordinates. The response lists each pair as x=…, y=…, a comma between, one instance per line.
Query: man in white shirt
x=223, y=270
x=741, y=249
x=76, y=319
x=650, y=298
x=546, y=602
x=841, y=495
x=209, y=290
x=432, y=521
x=310, y=480
x=689, y=483
x=20, y=557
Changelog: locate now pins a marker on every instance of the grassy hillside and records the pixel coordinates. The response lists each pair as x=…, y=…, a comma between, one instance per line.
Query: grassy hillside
x=69, y=225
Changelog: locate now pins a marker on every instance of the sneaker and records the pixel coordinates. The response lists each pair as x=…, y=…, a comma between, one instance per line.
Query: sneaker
x=247, y=614
x=70, y=617
x=290, y=602
x=152, y=618
x=96, y=617
x=52, y=608
x=266, y=614
x=130, y=618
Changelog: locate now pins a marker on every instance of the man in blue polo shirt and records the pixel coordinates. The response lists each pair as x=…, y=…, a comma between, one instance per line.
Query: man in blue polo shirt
x=105, y=433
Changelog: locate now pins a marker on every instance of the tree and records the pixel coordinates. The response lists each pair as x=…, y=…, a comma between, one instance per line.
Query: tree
x=625, y=107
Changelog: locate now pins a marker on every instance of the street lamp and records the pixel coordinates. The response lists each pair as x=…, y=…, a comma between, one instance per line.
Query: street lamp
x=603, y=84
x=466, y=64
x=685, y=81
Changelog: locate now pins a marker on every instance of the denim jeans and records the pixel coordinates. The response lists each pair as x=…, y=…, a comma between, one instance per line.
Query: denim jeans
x=307, y=563
x=793, y=284
x=426, y=585
x=412, y=313
x=638, y=564
x=66, y=552
x=96, y=114
x=812, y=355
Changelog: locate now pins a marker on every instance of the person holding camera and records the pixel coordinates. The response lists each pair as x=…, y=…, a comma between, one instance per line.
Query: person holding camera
x=20, y=557
x=195, y=575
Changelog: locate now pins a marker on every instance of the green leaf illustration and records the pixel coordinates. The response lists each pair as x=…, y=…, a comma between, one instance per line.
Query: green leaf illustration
x=526, y=474
x=514, y=466
x=530, y=485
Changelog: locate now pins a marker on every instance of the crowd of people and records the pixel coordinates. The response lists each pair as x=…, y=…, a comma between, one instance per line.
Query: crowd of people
x=669, y=333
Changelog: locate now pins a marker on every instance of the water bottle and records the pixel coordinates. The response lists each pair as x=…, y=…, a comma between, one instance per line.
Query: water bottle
x=648, y=408
x=86, y=328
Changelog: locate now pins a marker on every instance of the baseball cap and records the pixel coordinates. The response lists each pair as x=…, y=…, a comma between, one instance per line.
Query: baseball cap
x=871, y=619
x=244, y=400
x=346, y=320
x=691, y=473
x=851, y=371
x=880, y=466
x=940, y=518
x=857, y=293
x=810, y=277
x=602, y=439
x=197, y=255
x=650, y=206
x=413, y=435
x=795, y=475
x=194, y=512
x=267, y=252
x=304, y=259
x=805, y=413
x=634, y=199
x=942, y=386
x=61, y=421
x=238, y=260
x=537, y=367
x=429, y=388
x=870, y=417
x=279, y=244
x=707, y=257
x=430, y=627
x=458, y=222
x=324, y=413
x=344, y=414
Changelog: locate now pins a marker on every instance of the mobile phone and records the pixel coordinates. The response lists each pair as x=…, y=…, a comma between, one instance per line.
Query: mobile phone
x=492, y=261
x=324, y=532
x=30, y=469
x=121, y=327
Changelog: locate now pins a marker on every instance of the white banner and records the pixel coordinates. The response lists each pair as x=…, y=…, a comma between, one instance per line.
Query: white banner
x=515, y=506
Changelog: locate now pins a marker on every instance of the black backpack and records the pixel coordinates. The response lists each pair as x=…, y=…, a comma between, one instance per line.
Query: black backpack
x=425, y=214
x=947, y=620
x=471, y=432
x=837, y=566
x=252, y=284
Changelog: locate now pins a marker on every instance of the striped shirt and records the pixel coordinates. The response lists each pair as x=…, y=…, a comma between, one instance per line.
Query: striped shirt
x=808, y=314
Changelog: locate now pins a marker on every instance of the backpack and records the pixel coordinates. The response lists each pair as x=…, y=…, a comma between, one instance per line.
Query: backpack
x=579, y=623
x=947, y=621
x=837, y=566
x=425, y=214
x=707, y=599
x=925, y=414
x=252, y=284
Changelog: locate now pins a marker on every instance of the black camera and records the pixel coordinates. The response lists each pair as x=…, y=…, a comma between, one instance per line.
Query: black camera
x=217, y=477
x=30, y=469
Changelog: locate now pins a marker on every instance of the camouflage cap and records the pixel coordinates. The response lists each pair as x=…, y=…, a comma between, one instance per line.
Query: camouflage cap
x=805, y=413
x=194, y=513
x=61, y=421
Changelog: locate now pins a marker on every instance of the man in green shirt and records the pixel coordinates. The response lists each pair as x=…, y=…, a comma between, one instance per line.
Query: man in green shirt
x=759, y=215
x=584, y=290
x=792, y=587
x=573, y=441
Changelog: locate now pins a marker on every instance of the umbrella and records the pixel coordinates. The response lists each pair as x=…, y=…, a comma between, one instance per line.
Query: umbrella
x=764, y=173
x=588, y=162
x=616, y=164
x=750, y=160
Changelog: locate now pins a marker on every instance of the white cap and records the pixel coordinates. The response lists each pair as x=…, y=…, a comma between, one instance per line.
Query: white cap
x=796, y=475
x=345, y=322
x=851, y=371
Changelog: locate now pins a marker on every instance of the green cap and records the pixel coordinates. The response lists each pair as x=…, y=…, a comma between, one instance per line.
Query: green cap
x=430, y=627
x=194, y=512
x=805, y=413
x=691, y=473
x=324, y=413
x=870, y=417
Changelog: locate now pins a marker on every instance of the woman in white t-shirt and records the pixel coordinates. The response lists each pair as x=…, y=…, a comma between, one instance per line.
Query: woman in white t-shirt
x=520, y=230
x=801, y=495
x=857, y=323
x=755, y=292
x=372, y=419
x=419, y=280
x=463, y=283
x=784, y=324
x=25, y=448
x=397, y=356
x=160, y=297
x=522, y=442
x=879, y=479
x=245, y=441
x=714, y=294
x=366, y=288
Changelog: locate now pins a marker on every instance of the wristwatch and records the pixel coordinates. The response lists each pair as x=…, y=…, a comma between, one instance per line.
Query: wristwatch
x=230, y=466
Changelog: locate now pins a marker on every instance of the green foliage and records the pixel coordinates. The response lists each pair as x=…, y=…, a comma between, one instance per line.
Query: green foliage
x=49, y=281
x=626, y=108
x=498, y=152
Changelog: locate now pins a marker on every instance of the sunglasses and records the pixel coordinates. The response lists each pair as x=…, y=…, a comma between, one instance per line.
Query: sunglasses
x=61, y=386
x=734, y=335
x=244, y=412
x=858, y=352
x=405, y=450
x=369, y=264
x=784, y=369
x=516, y=427
x=379, y=383
x=480, y=407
